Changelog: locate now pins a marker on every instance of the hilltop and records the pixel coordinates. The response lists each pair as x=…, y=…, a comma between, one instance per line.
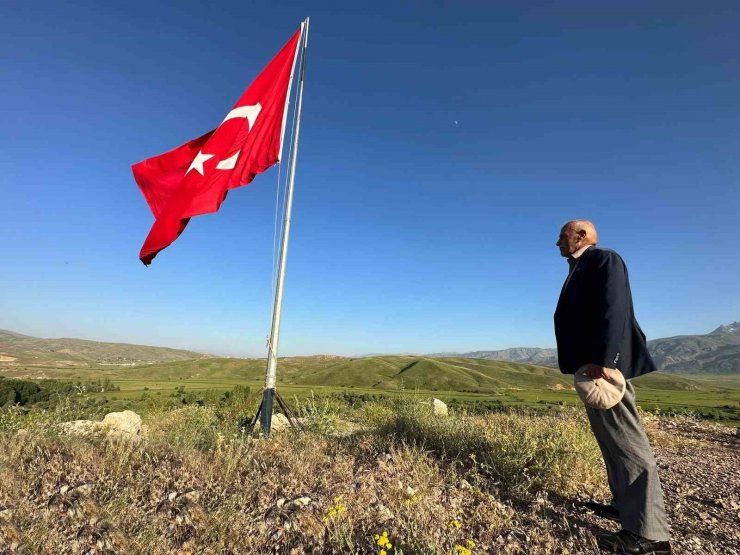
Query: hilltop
x=380, y=474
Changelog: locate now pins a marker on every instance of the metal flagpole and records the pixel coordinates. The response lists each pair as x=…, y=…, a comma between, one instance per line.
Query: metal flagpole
x=272, y=346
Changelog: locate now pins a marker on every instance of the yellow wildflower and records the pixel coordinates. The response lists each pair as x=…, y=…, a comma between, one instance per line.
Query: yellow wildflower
x=384, y=542
x=335, y=510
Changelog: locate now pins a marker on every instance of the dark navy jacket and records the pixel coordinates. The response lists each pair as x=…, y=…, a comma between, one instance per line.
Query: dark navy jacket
x=595, y=321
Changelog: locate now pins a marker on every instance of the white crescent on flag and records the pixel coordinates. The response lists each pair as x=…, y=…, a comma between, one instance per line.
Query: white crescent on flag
x=248, y=112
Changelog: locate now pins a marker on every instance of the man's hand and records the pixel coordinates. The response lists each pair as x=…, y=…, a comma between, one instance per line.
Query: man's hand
x=595, y=372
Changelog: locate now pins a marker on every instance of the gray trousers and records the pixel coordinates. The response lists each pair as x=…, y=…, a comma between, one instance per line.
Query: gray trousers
x=631, y=468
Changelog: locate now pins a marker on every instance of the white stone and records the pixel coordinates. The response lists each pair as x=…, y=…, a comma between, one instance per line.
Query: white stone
x=126, y=425
x=126, y=422
x=280, y=423
x=439, y=408
x=80, y=427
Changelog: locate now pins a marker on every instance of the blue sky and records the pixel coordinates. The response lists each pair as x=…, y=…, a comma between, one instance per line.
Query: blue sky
x=443, y=145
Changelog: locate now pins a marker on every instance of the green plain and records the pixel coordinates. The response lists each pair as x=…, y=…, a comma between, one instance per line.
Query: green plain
x=462, y=379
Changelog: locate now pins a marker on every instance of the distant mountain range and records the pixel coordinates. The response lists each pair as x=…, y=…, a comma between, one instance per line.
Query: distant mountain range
x=523, y=355
x=717, y=352
x=19, y=350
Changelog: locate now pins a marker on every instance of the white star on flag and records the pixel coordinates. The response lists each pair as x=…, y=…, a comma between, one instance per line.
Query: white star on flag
x=197, y=164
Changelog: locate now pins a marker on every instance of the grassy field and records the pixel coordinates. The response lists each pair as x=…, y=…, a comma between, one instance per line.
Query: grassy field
x=196, y=486
x=450, y=379
x=371, y=469
x=382, y=477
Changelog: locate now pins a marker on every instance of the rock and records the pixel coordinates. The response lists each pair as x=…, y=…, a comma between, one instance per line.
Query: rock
x=116, y=425
x=80, y=427
x=304, y=501
x=439, y=408
x=122, y=423
x=383, y=513
x=280, y=423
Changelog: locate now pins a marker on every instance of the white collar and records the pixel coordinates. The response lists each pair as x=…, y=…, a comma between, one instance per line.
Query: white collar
x=580, y=251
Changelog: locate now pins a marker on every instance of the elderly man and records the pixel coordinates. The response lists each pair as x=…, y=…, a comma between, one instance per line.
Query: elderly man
x=595, y=328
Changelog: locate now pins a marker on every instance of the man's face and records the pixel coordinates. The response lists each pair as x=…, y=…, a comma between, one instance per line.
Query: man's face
x=569, y=241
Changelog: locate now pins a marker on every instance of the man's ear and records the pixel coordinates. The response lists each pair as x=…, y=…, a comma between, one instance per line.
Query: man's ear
x=581, y=233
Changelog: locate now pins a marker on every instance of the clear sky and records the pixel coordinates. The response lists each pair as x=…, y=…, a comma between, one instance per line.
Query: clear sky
x=442, y=147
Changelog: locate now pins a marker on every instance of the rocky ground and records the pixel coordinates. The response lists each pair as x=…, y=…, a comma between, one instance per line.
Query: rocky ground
x=701, y=478
x=699, y=469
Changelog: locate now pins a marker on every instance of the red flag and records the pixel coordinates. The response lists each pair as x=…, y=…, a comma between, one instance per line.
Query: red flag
x=194, y=178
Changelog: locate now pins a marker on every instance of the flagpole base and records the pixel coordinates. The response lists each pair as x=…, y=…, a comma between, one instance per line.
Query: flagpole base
x=264, y=412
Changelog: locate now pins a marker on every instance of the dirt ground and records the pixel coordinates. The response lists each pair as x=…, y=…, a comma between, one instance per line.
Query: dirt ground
x=699, y=467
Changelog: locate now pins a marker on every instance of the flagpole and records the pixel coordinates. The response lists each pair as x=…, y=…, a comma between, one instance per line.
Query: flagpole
x=272, y=346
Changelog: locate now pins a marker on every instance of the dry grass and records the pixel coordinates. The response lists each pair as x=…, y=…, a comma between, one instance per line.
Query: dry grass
x=198, y=485
x=518, y=451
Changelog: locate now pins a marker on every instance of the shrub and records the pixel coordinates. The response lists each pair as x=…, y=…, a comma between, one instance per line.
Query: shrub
x=477, y=406
x=189, y=427
x=356, y=400
x=521, y=451
x=318, y=414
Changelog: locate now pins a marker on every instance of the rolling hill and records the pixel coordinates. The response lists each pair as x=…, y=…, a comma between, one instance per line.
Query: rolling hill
x=380, y=373
x=481, y=371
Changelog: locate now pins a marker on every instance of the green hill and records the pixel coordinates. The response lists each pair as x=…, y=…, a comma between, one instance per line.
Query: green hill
x=17, y=350
x=672, y=382
x=717, y=352
x=450, y=379
x=411, y=372
x=383, y=373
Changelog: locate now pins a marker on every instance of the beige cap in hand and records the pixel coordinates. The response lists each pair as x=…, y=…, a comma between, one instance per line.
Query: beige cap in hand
x=602, y=393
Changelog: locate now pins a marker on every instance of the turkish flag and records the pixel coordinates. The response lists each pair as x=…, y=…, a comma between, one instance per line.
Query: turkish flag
x=194, y=178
